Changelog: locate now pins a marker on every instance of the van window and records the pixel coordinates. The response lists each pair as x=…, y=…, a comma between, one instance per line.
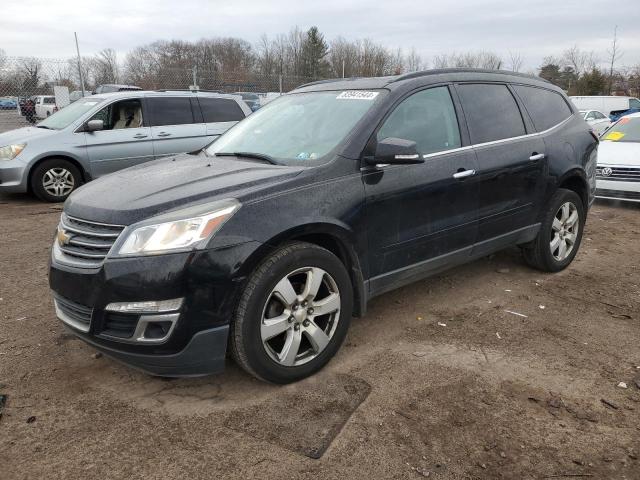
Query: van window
x=427, y=118
x=491, y=111
x=169, y=111
x=120, y=115
x=49, y=100
x=546, y=108
x=634, y=103
x=220, y=110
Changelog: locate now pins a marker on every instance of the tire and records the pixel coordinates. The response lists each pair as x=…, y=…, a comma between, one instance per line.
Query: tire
x=267, y=305
x=558, y=227
x=62, y=177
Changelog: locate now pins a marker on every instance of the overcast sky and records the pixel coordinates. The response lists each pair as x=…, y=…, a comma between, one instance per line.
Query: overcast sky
x=535, y=28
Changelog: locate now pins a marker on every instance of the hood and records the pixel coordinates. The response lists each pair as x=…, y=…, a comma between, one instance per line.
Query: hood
x=24, y=135
x=140, y=192
x=619, y=153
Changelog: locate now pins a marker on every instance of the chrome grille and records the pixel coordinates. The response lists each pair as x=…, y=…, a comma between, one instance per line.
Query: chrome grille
x=74, y=314
x=629, y=174
x=84, y=243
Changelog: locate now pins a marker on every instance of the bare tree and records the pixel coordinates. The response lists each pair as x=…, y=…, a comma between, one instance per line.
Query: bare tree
x=482, y=59
x=614, y=54
x=515, y=61
x=413, y=62
x=104, y=66
x=30, y=72
x=579, y=60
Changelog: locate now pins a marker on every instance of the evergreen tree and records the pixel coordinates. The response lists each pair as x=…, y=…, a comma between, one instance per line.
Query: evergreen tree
x=314, y=52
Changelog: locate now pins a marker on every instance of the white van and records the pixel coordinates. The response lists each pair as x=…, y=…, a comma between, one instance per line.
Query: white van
x=609, y=105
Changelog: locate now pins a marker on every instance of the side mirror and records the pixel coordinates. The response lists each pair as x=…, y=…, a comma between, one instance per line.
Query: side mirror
x=396, y=151
x=95, y=125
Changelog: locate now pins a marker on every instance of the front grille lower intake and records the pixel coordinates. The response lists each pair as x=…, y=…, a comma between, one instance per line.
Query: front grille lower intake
x=73, y=314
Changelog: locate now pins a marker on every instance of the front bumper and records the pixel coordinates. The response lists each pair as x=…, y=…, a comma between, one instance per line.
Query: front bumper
x=13, y=176
x=209, y=282
x=203, y=355
x=618, y=190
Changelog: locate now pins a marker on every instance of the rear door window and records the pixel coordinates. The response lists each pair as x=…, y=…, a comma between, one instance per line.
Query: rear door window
x=546, y=108
x=427, y=118
x=491, y=111
x=169, y=111
x=220, y=110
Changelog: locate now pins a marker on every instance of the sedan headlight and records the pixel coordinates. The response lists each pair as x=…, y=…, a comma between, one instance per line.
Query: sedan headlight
x=9, y=152
x=186, y=233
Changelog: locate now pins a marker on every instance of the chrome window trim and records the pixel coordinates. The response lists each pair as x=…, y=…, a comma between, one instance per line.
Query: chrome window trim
x=497, y=142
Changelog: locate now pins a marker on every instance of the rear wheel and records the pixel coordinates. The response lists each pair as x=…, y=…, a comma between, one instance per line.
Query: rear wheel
x=53, y=180
x=560, y=233
x=293, y=314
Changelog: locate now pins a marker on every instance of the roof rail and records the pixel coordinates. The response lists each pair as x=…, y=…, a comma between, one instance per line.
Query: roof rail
x=424, y=73
x=189, y=90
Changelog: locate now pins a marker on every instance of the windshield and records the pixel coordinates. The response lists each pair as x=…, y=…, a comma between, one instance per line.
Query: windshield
x=299, y=127
x=69, y=114
x=627, y=129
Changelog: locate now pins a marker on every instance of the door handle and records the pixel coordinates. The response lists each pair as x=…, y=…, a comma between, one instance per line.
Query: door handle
x=537, y=156
x=464, y=174
x=164, y=134
x=140, y=135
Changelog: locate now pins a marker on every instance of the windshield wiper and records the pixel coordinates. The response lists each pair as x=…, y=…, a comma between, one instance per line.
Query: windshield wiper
x=44, y=126
x=258, y=156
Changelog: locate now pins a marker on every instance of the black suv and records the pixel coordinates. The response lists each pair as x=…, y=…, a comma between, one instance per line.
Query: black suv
x=273, y=237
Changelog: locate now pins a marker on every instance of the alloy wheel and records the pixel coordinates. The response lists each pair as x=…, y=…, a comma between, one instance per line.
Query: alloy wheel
x=58, y=181
x=564, y=231
x=300, y=316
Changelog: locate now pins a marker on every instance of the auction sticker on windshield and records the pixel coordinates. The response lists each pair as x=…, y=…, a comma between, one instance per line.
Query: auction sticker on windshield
x=357, y=95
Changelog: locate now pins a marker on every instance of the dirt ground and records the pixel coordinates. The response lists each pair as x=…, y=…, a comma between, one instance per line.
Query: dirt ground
x=439, y=380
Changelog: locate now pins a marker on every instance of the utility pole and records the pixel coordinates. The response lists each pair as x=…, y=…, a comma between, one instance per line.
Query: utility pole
x=614, y=52
x=343, y=68
x=79, y=65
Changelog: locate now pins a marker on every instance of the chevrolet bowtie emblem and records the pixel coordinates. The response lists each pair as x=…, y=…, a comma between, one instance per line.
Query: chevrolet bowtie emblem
x=63, y=237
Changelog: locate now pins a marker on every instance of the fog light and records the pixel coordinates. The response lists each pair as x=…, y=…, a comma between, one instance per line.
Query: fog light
x=146, y=307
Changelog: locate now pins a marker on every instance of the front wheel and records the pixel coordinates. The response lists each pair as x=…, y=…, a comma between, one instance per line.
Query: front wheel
x=560, y=233
x=293, y=314
x=53, y=180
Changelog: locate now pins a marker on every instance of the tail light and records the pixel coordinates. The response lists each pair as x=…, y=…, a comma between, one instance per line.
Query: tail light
x=55, y=109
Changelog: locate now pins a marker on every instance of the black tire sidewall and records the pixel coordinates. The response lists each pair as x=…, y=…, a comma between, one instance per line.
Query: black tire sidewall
x=560, y=197
x=259, y=361
x=36, y=178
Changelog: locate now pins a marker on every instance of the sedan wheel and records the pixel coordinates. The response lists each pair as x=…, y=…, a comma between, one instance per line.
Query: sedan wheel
x=300, y=316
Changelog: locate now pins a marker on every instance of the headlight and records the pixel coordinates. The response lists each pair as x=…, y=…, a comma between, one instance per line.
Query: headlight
x=10, y=152
x=185, y=233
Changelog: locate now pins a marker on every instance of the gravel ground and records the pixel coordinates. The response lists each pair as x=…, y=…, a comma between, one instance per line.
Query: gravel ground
x=438, y=380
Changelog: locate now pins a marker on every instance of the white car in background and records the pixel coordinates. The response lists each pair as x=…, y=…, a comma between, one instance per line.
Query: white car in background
x=618, y=170
x=598, y=121
x=45, y=106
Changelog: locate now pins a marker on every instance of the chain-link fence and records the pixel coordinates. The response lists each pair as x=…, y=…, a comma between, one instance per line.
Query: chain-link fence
x=33, y=88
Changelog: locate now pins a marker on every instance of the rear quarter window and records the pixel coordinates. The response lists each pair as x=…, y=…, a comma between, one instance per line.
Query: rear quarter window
x=491, y=112
x=220, y=110
x=545, y=107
